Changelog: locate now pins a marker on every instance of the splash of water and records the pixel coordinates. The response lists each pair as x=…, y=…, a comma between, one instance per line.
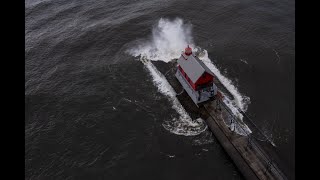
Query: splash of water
x=168, y=39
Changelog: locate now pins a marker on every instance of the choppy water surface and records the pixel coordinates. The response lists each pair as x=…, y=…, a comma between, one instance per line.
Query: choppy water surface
x=94, y=110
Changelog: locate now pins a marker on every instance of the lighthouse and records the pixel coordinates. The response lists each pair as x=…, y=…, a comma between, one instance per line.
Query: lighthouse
x=195, y=77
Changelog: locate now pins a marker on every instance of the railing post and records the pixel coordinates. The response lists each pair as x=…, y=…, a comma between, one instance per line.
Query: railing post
x=249, y=144
x=232, y=125
x=218, y=105
x=268, y=166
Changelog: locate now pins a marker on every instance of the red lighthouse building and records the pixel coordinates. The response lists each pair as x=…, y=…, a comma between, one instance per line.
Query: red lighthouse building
x=195, y=77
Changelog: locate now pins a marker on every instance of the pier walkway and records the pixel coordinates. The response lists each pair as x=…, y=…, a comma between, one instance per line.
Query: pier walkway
x=249, y=157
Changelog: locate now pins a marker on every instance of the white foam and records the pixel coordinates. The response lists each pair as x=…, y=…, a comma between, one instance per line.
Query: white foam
x=244, y=61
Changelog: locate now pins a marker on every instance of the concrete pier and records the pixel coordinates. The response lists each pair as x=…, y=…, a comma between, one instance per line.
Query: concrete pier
x=250, y=159
x=245, y=151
